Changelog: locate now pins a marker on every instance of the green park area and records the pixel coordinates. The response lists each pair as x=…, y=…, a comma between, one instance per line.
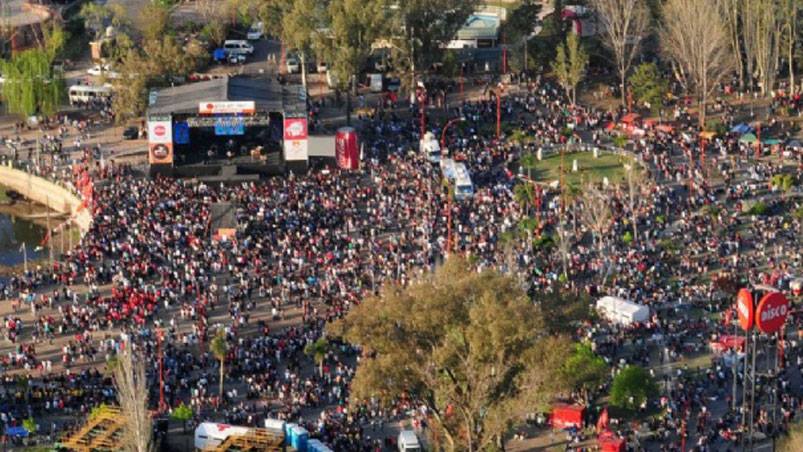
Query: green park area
x=589, y=169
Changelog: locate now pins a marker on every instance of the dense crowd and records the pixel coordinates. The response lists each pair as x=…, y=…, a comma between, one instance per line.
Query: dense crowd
x=310, y=246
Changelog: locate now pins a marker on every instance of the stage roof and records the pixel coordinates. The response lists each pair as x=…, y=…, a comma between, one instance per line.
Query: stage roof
x=267, y=94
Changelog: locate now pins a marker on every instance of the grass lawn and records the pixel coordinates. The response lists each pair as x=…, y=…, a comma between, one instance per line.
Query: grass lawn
x=4, y=199
x=589, y=168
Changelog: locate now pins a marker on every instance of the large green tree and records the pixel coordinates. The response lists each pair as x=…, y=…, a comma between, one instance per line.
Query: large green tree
x=570, y=65
x=648, y=86
x=632, y=387
x=299, y=29
x=421, y=28
x=468, y=345
x=584, y=370
x=32, y=85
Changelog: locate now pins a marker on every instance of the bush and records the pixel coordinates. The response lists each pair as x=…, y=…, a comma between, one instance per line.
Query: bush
x=760, y=208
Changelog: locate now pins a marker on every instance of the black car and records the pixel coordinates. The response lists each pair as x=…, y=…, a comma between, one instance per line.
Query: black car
x=131, y=133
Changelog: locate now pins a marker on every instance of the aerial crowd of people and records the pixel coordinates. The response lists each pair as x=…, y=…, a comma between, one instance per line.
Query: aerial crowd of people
x=310, y=246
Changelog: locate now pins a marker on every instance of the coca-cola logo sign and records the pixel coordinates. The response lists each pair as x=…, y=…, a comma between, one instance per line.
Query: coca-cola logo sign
x=159, y=130
x=745, y=309
x=771, y=312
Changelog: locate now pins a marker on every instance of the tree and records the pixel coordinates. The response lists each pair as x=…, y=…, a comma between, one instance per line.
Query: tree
x=216, y=25
x=524, y=194
x=95, y=16
x=317, y=351
x=632, y=387
x=584, y=370
x=153, y=22
x=32, y=85
x=220, y=348
x=694, y=38
x=132, y=395
x=633, y=185
x=299, y=27
x=790, y=12
x=421, y=28
x=596, y=216
x=622, y=25
x=570, y=65
x=131, y=87
x=468, y=345
x=761, y=33
x=182, y=413
x=731, y=11
x=648, y=86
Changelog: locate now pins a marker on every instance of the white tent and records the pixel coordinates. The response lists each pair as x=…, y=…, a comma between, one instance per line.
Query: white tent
x=618, y=310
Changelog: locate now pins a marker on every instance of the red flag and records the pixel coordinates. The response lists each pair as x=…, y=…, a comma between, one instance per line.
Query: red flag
x=602, y=422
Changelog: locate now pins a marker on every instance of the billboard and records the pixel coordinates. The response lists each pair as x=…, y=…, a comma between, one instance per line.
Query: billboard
x=230, y=107
x=745, y=309
x=160, y=153
x=229, y=126
x=160, y=140
x=295, y=139
x=347, y=152
x=772, y=312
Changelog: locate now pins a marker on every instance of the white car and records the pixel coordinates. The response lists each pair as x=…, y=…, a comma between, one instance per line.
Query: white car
x=321, y=67
x=255, y=31
x=292, y=65
x=102, y=70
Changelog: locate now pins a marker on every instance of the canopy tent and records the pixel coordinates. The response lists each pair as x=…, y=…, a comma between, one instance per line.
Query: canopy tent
x=566, y=416
x=18, y=431
x=707, y=135
x=748, y=138
x=771, y=141
x=741, y=129
x=727, y=342
x=610, y=442
x=794, y=144
x=630, y=118
x=618, y=310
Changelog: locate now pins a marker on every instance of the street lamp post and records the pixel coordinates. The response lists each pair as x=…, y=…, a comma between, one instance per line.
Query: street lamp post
x=421, y=93
x=446, y=127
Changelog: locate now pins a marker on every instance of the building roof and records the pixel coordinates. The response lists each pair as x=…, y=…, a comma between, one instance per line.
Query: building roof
x=480, y=26
x=267, y=94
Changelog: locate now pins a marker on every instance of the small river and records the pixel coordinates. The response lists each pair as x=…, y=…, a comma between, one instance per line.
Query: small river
x=14, y=232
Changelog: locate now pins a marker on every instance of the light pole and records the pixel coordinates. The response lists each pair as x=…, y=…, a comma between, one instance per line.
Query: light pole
x=446, y=127
x=421, y=93
x=162, y=403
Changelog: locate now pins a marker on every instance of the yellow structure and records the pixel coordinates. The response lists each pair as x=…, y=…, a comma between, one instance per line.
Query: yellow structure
x=256, y=440
x=101, y=432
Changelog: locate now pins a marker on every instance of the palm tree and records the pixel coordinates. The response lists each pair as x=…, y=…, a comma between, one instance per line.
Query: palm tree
x=523, y=194
x=317, y=351
x=220, y=348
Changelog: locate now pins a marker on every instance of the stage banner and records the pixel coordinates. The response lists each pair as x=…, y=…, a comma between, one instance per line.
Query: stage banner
x=232, y=107
x=160, y=153
x=160, y=140
x=295, y=139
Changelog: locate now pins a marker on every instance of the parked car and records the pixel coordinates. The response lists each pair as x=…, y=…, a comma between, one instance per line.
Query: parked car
x=131, y=133
x=237, y=47
x=321, y=67
x=102, y=70
x=293, y=65
x=255, y=31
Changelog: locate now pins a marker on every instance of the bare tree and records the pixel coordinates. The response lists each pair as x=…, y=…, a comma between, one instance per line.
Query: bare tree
x=731, y=13
x=622, y=23
x=761, y=31
x=633, y=182
x=132, y=395
x=596, y=216
x=694, y=38
x=790, y=13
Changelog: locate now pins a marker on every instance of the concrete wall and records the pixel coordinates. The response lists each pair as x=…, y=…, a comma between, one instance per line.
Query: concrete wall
x=47, y=193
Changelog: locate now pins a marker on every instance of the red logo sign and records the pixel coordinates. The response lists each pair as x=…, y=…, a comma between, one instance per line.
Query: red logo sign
x=159, y=130
x=295, y=129
x=745, y=309
x=771, y=313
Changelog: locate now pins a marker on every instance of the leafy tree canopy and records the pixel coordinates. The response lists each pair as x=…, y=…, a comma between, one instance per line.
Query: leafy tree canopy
x=632, y=387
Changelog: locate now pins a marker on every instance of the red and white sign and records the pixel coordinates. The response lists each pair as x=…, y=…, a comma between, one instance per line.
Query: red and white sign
x=347, y=152
x=160, y=132
x=232, y=107
x=745, y=309
x=771, y=312
x=296, y=139
x=295, y=128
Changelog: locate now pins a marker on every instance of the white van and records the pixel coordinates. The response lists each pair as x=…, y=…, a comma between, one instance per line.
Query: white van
x=463, y=187
x=238, y=47
x=408, y=441
x=209, y=435
x=430, y=147
x=255, y=31
x=86, y=94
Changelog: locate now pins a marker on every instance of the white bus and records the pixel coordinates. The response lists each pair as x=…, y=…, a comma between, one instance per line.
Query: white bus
x=463, y=187
x=87, y=94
